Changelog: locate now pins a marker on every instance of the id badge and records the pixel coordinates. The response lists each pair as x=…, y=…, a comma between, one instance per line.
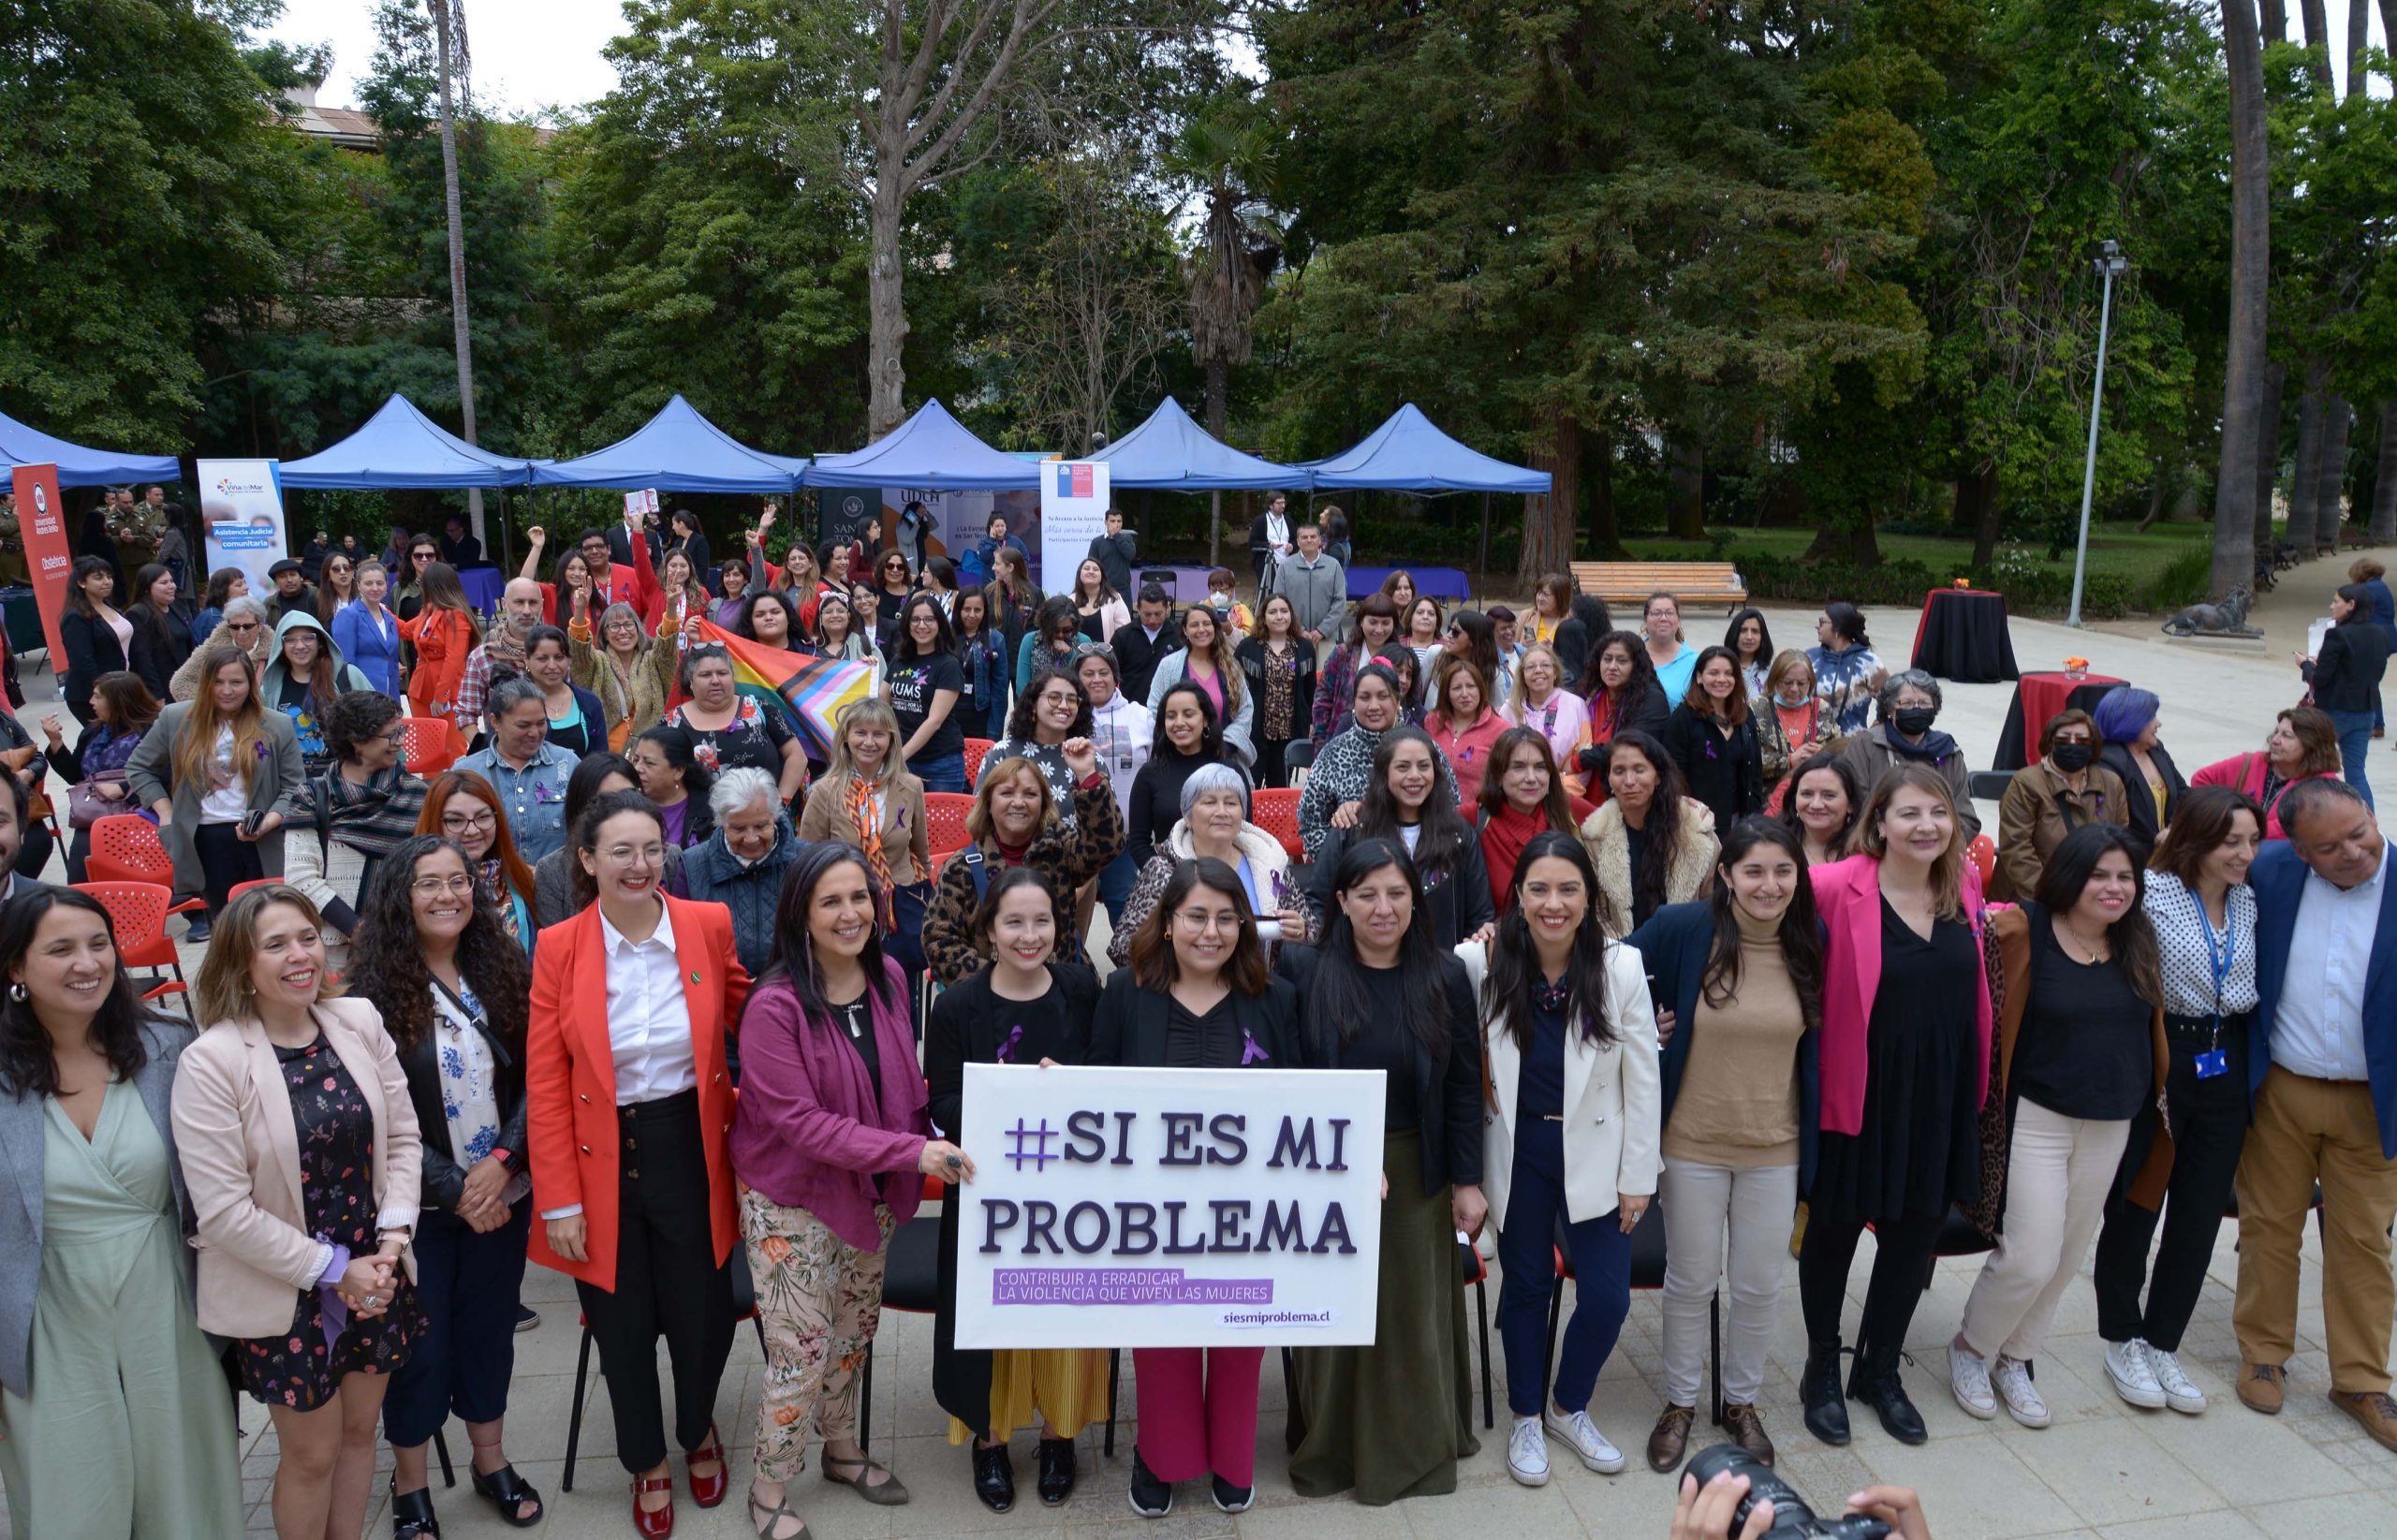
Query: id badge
x=2213, y=1062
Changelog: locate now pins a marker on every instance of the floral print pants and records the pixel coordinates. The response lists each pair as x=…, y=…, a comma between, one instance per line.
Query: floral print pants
x=819, y=1300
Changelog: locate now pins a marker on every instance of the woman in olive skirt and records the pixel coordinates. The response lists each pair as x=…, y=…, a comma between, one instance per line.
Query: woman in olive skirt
x=1392, y=1419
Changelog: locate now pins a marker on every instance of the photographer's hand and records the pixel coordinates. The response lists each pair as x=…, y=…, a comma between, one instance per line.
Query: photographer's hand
x=1704, y=1512
x=1896, y=1507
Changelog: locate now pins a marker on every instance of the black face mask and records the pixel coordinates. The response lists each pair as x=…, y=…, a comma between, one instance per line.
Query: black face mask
x=2072, y=756
x=1914, y=721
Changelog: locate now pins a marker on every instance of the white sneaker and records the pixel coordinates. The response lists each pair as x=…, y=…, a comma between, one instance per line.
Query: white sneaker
x=2013, y=1380
x=2133, y=1375
x=1968, y=1377
x=1527, y=1453
x=2181, y=1393
x=1583, y=1436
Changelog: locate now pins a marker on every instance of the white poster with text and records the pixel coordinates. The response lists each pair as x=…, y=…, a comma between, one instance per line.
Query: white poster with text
x=1074, y=497
x=1168, y=1208
x=241, y=508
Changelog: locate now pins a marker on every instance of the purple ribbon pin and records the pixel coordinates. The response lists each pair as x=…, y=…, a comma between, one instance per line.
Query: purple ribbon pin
x=1007, y=1050
x=1250, y=1052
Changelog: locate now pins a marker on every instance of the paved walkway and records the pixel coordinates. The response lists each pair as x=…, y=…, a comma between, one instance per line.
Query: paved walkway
x=2104, y=1468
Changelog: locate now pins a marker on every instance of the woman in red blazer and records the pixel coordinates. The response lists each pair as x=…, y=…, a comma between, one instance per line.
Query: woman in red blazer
x=629, y=1111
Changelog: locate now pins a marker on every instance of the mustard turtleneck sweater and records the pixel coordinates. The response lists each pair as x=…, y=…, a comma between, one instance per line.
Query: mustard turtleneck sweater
x=1737, y=1102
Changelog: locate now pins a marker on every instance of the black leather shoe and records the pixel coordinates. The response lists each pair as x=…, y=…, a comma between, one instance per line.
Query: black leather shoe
x=1876, y=1385
x=994, y=1477
x=1819, y=1388
x=412, y=1515
x=1056, y=1470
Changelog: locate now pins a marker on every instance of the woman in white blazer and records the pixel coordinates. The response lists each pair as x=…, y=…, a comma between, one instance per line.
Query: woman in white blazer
x=1570, y=1041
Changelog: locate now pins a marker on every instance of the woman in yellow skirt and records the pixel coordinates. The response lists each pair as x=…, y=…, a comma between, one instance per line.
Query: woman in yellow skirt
x=1024, y=1008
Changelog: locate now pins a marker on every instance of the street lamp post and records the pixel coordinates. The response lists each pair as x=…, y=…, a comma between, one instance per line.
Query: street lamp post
x=2111, y=264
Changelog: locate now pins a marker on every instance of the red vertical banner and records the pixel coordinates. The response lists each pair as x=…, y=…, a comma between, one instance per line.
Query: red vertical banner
x=49, y=555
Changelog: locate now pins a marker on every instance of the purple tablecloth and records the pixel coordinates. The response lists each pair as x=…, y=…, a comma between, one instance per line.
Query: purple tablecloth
x=482, y=585
x=1441, y=583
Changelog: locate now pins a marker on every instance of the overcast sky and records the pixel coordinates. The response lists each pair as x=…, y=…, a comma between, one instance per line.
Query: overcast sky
x=532, y=57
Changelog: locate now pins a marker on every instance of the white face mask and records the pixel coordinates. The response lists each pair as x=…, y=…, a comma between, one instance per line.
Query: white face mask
x=1793, y=697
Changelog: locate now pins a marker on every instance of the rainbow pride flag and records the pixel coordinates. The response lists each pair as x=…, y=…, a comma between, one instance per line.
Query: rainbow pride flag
x=811, y=690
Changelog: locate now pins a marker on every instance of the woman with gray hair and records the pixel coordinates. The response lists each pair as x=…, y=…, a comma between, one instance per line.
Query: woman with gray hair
x=741, y=864
x=1901, y=733
x=244, y=625
x=1215, y=825
x=629, y=670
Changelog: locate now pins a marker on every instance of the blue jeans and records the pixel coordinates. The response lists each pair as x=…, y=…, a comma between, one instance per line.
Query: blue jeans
x=2355, y=742
x=1601, y=1256
x=462, y=1361
x=944, y=773
x=1115, y=880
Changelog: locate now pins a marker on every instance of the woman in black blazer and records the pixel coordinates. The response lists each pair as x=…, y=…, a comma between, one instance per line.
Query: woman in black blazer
x=1197, y=996
x=2347, y=676
x=1713, y=736
x=162, y=637
x=1382, y=993
x=2126, y=718
x=89, y=630
x=455, y=996
x=1406, y=792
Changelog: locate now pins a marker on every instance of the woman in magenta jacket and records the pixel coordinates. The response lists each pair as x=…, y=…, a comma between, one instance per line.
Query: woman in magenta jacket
x=831, y=1146
x=1905, y=1038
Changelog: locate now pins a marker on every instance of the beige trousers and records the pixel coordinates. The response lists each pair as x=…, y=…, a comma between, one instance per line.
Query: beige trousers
x=2058, y=1174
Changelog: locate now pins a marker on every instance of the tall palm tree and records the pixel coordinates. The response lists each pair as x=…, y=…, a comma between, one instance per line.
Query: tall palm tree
x=2234, y=520
x=1232, y=155
x=449, y=31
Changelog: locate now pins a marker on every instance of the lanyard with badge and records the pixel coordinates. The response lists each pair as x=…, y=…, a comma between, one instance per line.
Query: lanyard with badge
x=2212, y=1062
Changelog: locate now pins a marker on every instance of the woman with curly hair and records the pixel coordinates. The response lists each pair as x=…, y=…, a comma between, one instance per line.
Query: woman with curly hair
x=454, y=991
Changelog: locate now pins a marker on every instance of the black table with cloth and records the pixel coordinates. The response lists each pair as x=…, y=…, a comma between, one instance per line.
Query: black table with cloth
x=2037, y=697
x=1962, y=636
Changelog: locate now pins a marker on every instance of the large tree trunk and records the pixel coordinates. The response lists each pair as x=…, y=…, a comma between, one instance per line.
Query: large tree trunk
x=2329, y=487
x=1606, y=532
x=2316, y=21
x=1549, y=519
x=460, y=340
x=886, y=300
x=2384, y=492
x=2358, y=30
x=2306, y=472
x=2234, y=524
x=1979, y=487
x=2275, y=23
x=2268, y=451
x=1686, y=509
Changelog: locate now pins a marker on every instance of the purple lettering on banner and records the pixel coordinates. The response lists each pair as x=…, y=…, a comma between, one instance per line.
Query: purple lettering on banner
x=1123, y=1287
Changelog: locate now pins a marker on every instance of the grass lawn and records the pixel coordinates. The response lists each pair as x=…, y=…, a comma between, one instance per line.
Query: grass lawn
x=2113, y=547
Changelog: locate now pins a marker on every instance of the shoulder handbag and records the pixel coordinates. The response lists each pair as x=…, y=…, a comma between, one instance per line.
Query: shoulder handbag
x=85, y=806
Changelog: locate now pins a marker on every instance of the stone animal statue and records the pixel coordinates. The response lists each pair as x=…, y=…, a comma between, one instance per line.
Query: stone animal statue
x=2226, y=619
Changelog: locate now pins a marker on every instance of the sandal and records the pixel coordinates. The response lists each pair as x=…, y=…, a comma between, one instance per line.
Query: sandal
x=774, y=1517
x=887, y=1494
x=412, y=1514
x=508, y=1493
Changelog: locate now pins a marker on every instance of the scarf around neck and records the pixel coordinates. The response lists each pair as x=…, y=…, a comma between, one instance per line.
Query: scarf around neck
x=1935, y=749
x=374, y=818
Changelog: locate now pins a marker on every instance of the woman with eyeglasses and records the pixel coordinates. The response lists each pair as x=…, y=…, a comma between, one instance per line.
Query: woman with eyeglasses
x=115, y=1423
x=553, y=875
x=366, y=631
x=1197, y=995
x=222, y=774
x=1215, y=825
x=629, y=670
x=630, y=1105
x=452, y=990
x=161, y=641
x=1045, y=717
x=1392, y=1419
x=463, y=808
x=366, y=805
x=302, y=679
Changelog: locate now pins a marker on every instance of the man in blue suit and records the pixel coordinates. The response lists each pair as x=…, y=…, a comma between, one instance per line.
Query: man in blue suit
x=2323, y=1102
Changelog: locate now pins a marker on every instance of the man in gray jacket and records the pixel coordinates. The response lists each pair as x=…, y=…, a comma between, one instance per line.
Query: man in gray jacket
x=1316, y=587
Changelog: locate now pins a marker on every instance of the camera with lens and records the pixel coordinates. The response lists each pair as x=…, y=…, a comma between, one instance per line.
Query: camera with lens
x=1792, y=1517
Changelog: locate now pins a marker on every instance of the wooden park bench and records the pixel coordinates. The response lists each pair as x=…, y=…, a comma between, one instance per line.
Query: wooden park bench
x=1692, y=583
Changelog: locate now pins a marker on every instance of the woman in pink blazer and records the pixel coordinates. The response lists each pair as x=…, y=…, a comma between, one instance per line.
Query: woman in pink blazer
x=1904, y=1068
x=2303, y=744
x=300, y=1150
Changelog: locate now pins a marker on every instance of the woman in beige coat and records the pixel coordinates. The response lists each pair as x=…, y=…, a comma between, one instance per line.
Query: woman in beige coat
x=301, y=1155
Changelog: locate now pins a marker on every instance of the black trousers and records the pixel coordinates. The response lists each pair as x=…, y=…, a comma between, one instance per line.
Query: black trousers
x=1270, y=769
x=464, y=1358
x=667, y=1280
x=226, y=860
x=1900, y=1266
x=2209, y=1131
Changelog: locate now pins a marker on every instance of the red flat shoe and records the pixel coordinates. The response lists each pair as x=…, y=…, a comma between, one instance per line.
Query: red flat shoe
x=655, y=1525
x=708, y=1491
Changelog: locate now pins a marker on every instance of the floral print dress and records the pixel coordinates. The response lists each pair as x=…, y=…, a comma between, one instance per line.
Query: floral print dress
x=302, y=1367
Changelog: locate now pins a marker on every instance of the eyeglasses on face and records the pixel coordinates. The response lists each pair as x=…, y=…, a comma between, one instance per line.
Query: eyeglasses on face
x=240, y=626
x=433, y=886
x=482, y=820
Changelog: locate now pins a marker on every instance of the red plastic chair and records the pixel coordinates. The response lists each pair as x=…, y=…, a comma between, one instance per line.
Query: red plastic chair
x=138, y=911
x=945, y=821
x=1983, y=850
x=1276, y=810
x=242, y=887
x=125, y=848
x=431, y=745
x=975, y=749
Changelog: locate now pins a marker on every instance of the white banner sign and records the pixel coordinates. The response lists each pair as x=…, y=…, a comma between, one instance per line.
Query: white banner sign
x=240, y=507
x=1074, y=497
x=1168, y=1208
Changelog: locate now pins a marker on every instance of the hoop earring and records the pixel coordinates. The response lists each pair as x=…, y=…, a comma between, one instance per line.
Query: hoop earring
x=18, y=994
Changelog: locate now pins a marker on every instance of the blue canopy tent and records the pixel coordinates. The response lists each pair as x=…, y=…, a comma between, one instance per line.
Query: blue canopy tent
x=400, y=449
x=77, y=465
x=931, y=450
x=676, y=450
x=1407, y=453
x=1173, y=452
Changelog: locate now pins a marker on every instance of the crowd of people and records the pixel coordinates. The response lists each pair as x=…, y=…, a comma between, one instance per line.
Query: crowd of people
x=1642, y=934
